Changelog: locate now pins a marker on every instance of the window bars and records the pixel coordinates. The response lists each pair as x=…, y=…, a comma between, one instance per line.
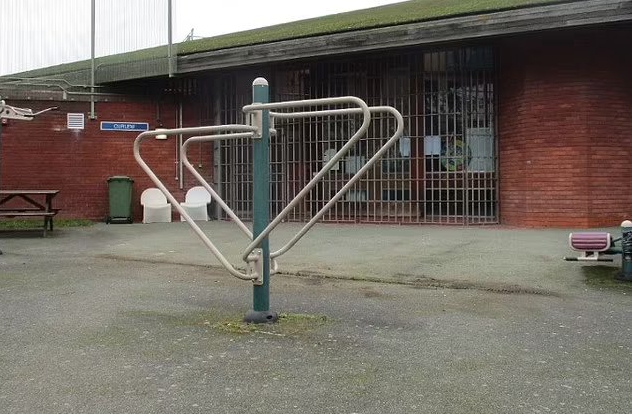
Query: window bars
x=443, y=170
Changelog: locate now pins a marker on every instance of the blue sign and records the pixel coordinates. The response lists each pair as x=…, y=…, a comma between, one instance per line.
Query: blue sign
x=124, y=126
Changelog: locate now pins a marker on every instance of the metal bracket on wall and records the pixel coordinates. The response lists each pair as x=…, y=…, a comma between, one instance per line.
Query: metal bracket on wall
x=23, y=114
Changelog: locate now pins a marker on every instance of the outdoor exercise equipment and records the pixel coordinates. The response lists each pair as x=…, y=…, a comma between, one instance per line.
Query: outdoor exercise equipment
x=594, y=244
x=260, y=262
x=20, y=114
x=23, y=114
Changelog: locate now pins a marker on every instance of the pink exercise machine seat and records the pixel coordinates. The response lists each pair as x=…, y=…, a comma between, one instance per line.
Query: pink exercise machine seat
x=590, y=242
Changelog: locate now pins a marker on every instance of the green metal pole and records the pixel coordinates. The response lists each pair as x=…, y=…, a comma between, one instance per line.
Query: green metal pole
x=261, y=199
x=261, y=206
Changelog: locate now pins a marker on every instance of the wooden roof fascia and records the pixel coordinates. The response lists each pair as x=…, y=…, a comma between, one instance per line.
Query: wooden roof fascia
x=414, y=34
x=381, y=16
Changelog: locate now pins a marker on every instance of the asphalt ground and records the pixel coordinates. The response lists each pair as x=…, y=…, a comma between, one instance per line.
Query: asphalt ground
x=141, y=319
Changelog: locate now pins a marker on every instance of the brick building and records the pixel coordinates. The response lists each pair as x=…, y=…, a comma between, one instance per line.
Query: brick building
x=517, y=112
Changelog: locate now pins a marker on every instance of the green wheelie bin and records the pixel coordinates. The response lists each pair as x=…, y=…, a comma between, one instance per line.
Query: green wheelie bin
x=120, y=193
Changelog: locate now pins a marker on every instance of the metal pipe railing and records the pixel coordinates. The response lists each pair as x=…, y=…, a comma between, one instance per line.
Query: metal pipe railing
x=185, y=161
x=398, y=133
x=242, y=131
x=363, y=108
x=237, y=131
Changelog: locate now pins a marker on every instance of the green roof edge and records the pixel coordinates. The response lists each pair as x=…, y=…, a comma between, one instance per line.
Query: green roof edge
x=411, y=11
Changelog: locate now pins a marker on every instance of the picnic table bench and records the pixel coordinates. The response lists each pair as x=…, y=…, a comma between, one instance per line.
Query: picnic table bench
x=34, y=203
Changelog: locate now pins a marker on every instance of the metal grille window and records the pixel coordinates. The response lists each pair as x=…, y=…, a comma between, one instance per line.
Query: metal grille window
x=442, y=171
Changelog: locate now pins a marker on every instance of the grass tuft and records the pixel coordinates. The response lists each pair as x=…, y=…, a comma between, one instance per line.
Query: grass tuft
x=605, y=277
x=21, y=224
x=289, y=324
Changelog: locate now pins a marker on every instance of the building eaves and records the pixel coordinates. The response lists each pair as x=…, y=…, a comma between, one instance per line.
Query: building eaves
x=468, y=27
x=413, y=11
x=397, y=25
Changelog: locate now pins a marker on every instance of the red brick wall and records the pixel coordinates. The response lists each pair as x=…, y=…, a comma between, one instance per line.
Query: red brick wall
x=565, y=128
x=44, y=154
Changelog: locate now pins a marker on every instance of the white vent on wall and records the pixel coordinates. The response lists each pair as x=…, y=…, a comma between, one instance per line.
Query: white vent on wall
x=75, y=121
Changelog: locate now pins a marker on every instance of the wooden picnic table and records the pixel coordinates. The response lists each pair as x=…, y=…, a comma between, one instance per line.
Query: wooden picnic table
x=32, y=203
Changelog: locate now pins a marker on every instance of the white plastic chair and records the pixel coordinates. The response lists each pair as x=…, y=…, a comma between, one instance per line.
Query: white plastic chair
x=196, y=202
x=155, y=206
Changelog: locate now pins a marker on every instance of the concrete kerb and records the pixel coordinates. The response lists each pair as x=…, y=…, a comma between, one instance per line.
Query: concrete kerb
x=493, y=258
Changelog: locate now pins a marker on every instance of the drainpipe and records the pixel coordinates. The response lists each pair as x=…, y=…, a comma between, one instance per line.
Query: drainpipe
x=626, y=250
x=179, y=148
x=217, y=149
x=92, y=20
x=170, y=39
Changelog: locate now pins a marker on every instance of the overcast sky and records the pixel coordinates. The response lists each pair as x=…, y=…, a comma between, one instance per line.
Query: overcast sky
x=41, y=33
